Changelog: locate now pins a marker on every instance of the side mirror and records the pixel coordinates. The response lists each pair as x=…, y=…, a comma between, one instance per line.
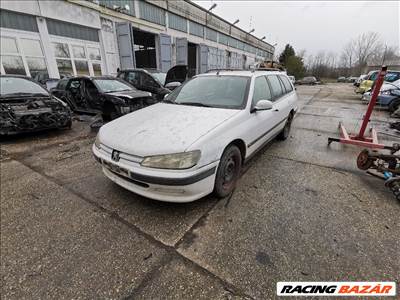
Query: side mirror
x=263, y=105
x=173, y=85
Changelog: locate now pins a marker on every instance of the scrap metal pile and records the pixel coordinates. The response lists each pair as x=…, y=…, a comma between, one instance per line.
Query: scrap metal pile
x=384, y=166
x=31, y=114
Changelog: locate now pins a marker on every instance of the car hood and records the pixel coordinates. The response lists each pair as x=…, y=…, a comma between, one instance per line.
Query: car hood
x=130, y=94
x=162, y=128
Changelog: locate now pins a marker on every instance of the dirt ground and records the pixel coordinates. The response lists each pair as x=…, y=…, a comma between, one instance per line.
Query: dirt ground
x=302, y=211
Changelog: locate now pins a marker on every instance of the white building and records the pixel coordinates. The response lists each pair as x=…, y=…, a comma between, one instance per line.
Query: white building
x=97, y=37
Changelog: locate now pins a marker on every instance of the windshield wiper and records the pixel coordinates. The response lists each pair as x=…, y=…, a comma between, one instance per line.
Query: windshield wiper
x=195, y=104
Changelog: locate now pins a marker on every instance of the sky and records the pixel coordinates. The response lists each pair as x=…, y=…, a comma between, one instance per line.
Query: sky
x=312, y=25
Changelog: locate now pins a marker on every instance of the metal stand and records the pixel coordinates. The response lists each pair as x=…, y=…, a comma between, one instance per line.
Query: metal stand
x=360, y=139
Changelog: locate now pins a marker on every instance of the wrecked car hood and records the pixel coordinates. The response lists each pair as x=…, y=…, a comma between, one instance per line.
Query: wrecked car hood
x=130, y=94
x=162, y=128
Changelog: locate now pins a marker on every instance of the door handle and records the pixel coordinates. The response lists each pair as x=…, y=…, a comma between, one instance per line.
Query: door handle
x=276, y=109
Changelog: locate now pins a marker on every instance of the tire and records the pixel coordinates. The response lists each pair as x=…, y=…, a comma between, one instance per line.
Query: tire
x=284, y=134
x=394, y=105
x=228, y=171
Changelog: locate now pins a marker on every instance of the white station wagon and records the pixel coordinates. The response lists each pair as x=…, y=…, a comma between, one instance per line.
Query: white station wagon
x=196, y=141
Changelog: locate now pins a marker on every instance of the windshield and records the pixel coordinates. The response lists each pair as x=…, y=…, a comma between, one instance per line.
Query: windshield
x=392, y=76
x=111, y=85
x=213, y=91
x=12, y=86
x=160, y=77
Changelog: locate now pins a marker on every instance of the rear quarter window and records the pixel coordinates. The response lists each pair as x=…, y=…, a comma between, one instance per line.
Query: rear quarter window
x=286, y=84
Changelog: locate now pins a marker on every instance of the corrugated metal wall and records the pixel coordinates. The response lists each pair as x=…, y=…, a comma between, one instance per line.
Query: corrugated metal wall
x=72, y=30
x=9, y=19
x=151, y=13
x=196, y=29
x=177, y=22
x=119, y=3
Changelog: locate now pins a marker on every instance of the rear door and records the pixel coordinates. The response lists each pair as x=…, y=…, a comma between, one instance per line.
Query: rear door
x=280, y=98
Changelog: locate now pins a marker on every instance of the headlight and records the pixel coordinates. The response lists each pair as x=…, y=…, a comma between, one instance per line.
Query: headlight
x=184, y=160
x=97, y=142
x=385, y=92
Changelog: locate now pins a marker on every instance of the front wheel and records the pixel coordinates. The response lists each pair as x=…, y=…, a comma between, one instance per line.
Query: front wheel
x=286, y=130
x=228, y=171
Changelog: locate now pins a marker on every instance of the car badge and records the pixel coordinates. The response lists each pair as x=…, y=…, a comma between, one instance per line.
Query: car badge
x=115, y=155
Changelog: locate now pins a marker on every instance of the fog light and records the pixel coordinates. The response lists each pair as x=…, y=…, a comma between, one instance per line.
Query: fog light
x=169, y=191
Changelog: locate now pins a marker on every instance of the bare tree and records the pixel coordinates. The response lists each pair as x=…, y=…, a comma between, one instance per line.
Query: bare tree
x=348, y=54
x=366, y=45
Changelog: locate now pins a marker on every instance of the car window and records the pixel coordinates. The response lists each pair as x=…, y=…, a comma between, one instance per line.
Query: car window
x=148, y=81
x=373, y=76
x=12, y=85
x=121, y=75
x=133, y=78
x=286, y=84
x=261, y=90
x=392, y=76
x=111, y=85
x=62, y=84
x=276, y=86
x=75, y=84
x=214, y=91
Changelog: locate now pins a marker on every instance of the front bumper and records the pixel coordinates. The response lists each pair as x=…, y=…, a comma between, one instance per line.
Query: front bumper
x=158, y=184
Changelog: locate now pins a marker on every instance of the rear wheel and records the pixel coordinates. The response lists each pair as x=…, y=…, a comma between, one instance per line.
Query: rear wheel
x=286, y=130
x=228, y=171
x=394, y=105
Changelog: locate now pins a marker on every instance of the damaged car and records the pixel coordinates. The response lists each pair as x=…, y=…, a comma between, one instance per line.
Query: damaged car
x=26, y=106
x=109, y=96
x=157, y=83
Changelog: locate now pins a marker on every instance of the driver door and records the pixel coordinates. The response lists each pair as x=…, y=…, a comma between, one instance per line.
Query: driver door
x=260, y=122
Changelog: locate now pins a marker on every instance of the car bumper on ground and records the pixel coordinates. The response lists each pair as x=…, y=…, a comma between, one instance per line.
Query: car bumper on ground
x=163, y=185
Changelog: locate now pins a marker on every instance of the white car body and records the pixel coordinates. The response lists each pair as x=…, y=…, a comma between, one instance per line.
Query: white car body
x=165, y=128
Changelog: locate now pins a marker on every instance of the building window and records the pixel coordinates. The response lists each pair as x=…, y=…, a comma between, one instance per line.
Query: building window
x=177, y=22
x=151, y=13
x=196, y=29
x=85, y=60
x=22, y=56
x=223, y=39
x=124, y=6
x=211, y=35
x=72, y=30
x=13, y=20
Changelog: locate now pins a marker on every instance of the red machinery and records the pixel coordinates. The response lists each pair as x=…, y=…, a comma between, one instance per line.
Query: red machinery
x=360, y=139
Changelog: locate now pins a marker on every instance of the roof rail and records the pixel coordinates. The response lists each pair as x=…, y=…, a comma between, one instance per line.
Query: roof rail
x=223, y=69
x=267, y=69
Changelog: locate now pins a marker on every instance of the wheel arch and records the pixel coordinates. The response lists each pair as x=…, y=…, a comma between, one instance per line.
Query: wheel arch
x=241, y=145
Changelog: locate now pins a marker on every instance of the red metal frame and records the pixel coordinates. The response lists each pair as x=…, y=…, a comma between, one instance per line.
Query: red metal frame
x=360, y=139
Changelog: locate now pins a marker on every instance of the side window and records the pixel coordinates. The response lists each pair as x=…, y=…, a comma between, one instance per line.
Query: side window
x=261, y=90
x=133, y=78
x=148, y=81
x=286, y=84
x=276, y=86
x=74, y=84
